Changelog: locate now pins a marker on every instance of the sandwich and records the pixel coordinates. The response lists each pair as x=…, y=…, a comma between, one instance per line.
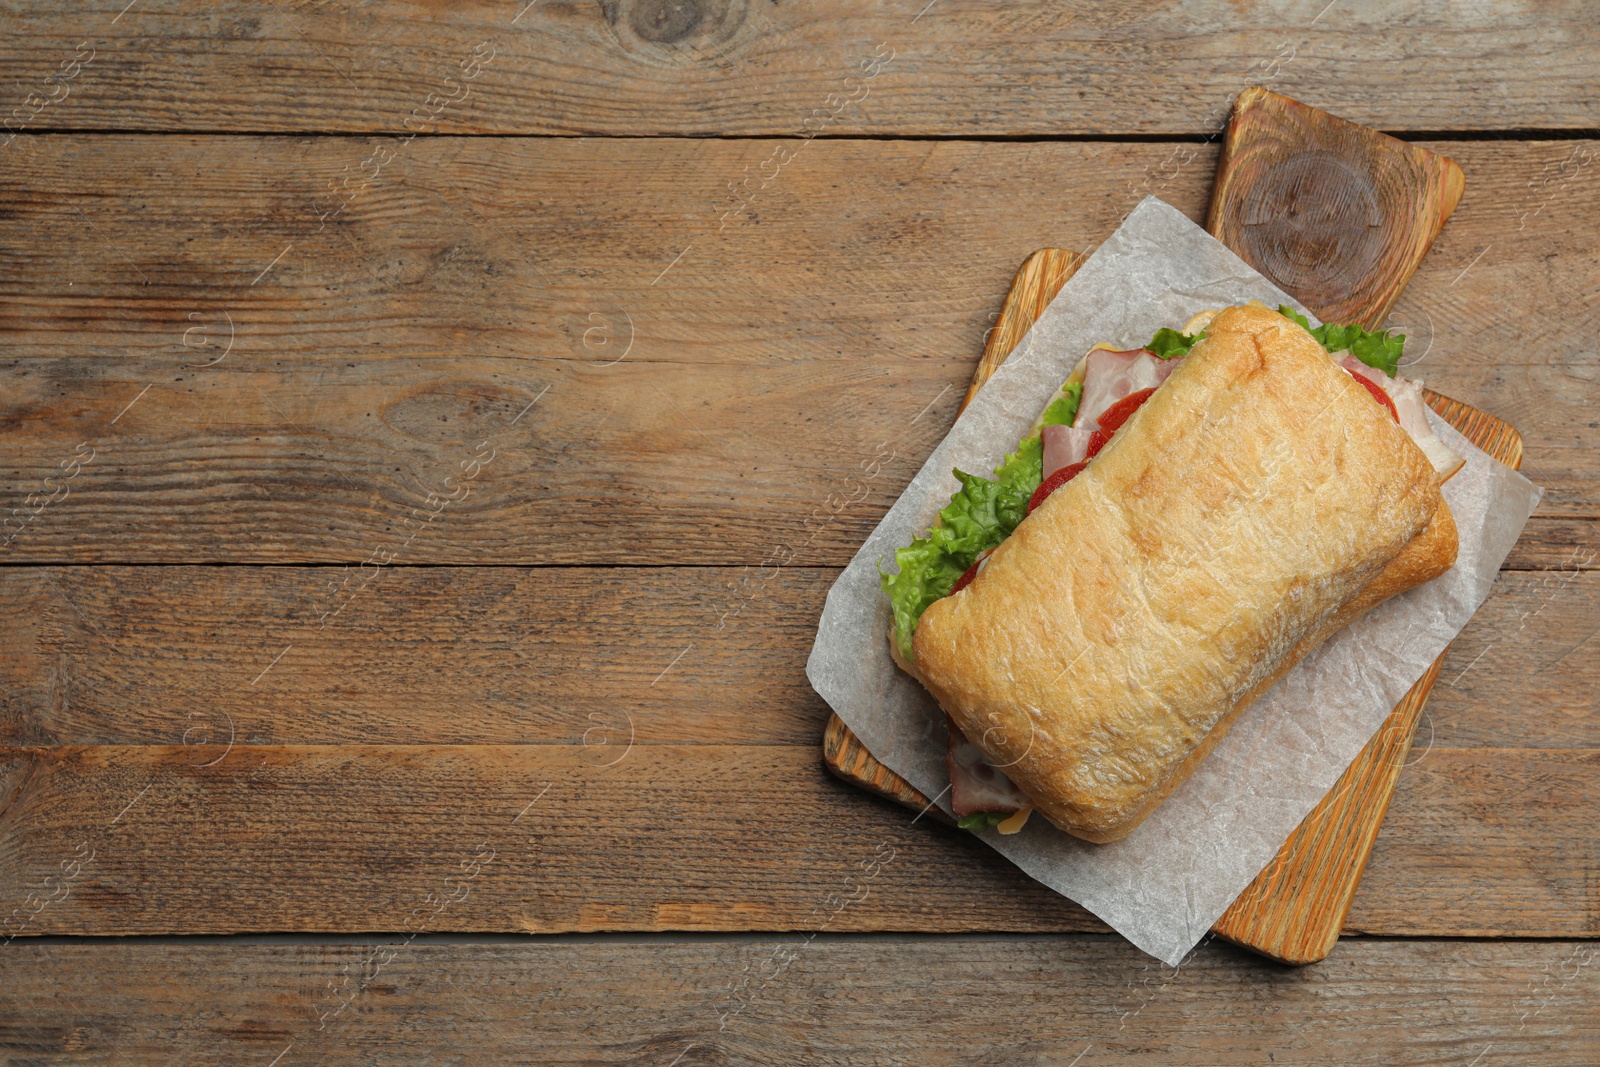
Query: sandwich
x=1184, y=523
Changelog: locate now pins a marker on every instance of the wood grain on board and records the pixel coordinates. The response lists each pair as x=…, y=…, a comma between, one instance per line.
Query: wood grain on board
x=1036, y=283
x=733, y=67
x=200, y=838
x=845, y=755
x=1337, y=214
x=374, y=355
x=934, y=1001
x=1294, y=910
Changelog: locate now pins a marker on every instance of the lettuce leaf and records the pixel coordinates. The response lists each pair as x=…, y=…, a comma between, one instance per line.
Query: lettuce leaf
x=1375, y=348
x=1064, y=408
x=981, y=515
x=1168, y=343
x=983, y=820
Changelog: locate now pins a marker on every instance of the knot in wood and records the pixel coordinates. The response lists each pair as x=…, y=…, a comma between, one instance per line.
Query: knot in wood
x=1314, y=224
x=675, y=21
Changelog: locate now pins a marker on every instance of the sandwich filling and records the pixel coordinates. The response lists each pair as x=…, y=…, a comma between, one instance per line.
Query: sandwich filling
x=1100, y=395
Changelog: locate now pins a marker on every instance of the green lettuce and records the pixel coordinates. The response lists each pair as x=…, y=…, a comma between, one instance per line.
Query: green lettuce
x=1064, y=408
x=981, y=515
x=1168, y=343
x=983, y=820
x=1375, y=348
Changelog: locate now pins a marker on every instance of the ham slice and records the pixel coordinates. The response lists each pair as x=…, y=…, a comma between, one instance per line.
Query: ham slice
x=1064, y=446
x=976, y=785
x=1413, y=411
x=1109, y=376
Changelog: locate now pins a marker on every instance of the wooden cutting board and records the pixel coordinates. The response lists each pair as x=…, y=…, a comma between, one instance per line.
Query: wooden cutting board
x=1294, y=909
x=1337, y=214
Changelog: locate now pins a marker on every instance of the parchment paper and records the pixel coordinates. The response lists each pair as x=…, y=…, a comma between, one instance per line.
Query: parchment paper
x=1165, y=884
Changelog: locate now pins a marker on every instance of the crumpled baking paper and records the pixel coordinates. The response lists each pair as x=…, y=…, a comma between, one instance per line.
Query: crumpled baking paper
x=1164, y=885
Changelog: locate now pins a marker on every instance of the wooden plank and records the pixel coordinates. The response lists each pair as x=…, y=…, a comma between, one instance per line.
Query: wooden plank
x=1336, y=213
x=174, y=839
x=1549, y=543
x=1459, y=818
x=144, y=655
x=200, y=839
x=366, y=367
x=825, y=1000
x=273, y=655
x=1517, y=666
x=1030, y=69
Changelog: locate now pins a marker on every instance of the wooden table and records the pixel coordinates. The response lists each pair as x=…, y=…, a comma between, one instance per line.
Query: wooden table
x=429, y=435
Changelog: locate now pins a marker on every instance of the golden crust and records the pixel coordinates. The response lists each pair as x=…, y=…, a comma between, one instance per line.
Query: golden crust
x=1256, y=504
x=1425, y=557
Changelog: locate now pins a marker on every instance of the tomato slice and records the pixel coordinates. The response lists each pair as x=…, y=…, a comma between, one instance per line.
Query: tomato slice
x=1117, y=414
x=1097, y=441
x=1054, y=482
x=1378, y=394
